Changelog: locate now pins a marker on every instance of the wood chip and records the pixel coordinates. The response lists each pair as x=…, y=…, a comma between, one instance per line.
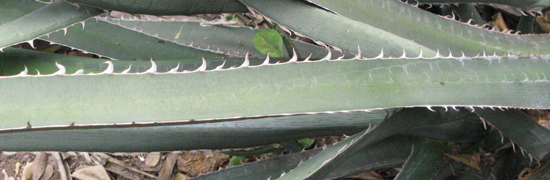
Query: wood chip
x=61, y=167
x=168, y=166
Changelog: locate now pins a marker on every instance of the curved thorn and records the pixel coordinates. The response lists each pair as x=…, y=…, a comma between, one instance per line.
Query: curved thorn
x=127, y=70
x=294, y=56
x=202, y=67
x=381, y=55
x=61, y=70
x=404, y=56
x=246, y=62
x=358, y=55
x=266, y=61
x=219, y=67
x=174, y=70
x=308, y=58
x=31, y=43
x=110, y=68
x=328, y=56
x=421, y=55
x=24, y=72
x=79, y=72
x=153, y=68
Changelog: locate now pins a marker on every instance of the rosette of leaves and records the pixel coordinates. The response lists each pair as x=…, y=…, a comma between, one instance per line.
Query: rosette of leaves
x=454, y=89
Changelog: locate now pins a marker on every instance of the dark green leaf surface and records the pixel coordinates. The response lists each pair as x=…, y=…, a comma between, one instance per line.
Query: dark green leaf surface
x=521, y=129
x=426, y=160
x=169, y=7
x=391, y=152
x=237, y=133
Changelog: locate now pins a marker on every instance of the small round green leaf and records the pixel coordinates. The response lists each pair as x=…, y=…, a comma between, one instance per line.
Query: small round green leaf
x=269, y=41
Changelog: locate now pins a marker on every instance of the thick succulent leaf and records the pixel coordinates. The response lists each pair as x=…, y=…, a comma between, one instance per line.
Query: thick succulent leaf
x=169, y=7
x=523, y=131
x=391, y=152
x=468, y=12
x=11, y=10
x=105, y=39
x=337, y=30
x=433, y=31
x=426, y=160
x=232, y=41
x=526, y=25
x=52, y=17
x=402, y=121
x=235, y=133
x=534, y=5
x=469, y=129
x=259, y=91
x=541, y=174
x=14, y=60
x=312, y=168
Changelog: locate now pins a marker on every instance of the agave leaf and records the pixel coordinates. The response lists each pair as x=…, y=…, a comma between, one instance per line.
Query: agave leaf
x=468, y=12
x=49, y=18
x=526, y=25
x=232, y=41
x=423, y=27
x=534, y=5
x=402, y=121
x=15, y=60
x=540, y=174
x=11, y=10
x=337, y=30
x=168, y=7
x=235, y=133
x=313, y=167
x=259, y=91
x=426, y=160
x=470, y=129
x=523, y=131
x=105, y=39
x=391, y=152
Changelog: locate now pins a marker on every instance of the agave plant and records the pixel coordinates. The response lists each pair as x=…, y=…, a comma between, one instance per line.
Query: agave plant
x=454, y=89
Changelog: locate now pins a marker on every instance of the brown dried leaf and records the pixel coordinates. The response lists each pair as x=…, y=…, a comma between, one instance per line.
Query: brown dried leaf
x=96, y=172
x=472, y=160
x=498, y=21
x=48, y=172
x=152, y=160
x=39, y=165
x=180, y=176
x=27, y=172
